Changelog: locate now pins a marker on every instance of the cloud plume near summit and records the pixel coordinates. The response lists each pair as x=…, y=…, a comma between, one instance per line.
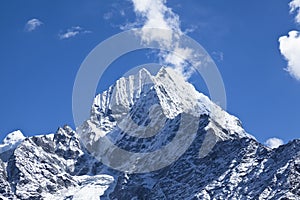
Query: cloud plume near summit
x=156, y=14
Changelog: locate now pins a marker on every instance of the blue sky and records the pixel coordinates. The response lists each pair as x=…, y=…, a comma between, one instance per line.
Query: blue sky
x=39, y=61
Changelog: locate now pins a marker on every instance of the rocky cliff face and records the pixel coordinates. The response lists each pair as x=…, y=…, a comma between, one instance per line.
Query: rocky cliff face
x=152, y=118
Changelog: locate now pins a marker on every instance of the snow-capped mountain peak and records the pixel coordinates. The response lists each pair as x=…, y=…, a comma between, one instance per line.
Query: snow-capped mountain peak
x=141, y=114
x=170, y=91
x=11, y=141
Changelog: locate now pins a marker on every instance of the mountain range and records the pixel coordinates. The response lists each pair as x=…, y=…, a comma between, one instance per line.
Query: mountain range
x=149, y=137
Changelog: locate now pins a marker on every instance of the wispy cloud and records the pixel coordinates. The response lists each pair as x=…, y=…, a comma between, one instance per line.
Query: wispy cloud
x=155, y=14
x=32, y=24
x=108, y=15
x=116, y=10
x=274, y=142
x=295, y=8
x=290, y=47
x=72, y=32
x=218, y=55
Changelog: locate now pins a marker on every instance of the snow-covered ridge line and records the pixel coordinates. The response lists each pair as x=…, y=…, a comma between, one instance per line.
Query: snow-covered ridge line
x=175, y=96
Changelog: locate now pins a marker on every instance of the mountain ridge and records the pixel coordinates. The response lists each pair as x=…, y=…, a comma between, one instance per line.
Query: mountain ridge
x=222, y=161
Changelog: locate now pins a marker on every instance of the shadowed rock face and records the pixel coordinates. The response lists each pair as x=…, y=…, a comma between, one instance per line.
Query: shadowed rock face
x=222, y=162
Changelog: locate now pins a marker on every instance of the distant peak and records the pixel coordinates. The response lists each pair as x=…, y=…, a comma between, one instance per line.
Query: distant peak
x=13, y=136
x=11, y=141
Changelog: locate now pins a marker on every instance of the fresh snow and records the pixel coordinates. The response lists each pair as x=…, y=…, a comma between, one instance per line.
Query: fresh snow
x=11, y=141
x=175, y=96
x=91, y=188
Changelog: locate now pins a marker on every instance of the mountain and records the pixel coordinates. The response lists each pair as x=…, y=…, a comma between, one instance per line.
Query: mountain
x=11, y=141
x=149, y=137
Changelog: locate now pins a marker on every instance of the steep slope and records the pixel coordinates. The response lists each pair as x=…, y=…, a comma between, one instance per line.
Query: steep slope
x=159, y=138
x=144, y=113
x=222, y=162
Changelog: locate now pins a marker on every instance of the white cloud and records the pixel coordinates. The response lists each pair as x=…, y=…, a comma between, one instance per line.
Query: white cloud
x=290, y=48
x=72, y=32
x=32, y=24
x=155, y=14
x=218, y=55
x=179, y=60
x=274, y=142
x=295, y=8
